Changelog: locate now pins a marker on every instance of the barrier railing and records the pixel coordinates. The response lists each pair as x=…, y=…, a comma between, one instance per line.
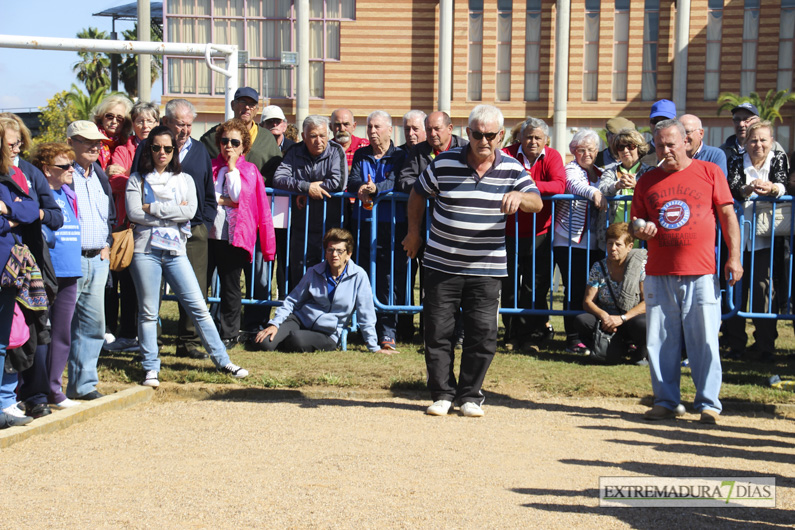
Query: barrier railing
x=299, y=220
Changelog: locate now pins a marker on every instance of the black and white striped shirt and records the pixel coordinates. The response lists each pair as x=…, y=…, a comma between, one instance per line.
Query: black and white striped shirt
x=467, y=233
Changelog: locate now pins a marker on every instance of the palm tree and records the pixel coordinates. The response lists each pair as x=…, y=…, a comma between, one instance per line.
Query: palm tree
x=769, y=108
x=128, y=70
x=84, y=104
x=93, y=69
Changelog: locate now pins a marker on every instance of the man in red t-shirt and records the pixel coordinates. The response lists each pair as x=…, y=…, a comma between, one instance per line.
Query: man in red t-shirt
x=679, y=201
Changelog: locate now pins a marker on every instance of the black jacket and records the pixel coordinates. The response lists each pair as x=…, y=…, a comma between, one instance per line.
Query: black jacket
x=417, y=160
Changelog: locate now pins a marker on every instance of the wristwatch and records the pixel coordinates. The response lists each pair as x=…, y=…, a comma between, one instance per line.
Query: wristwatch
x=623, y=318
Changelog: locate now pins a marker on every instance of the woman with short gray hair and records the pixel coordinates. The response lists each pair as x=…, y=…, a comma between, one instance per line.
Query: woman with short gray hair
x=575, y=246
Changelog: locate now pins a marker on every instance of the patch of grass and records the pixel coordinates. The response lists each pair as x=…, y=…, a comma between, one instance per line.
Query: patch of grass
x=551, y=371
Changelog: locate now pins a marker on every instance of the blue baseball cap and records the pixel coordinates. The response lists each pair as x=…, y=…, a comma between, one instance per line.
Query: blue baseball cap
x=750, y=107
x=246, y=92
x=665, y=108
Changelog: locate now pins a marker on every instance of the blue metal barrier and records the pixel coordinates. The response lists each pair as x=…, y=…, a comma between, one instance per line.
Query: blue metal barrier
x=731, y=297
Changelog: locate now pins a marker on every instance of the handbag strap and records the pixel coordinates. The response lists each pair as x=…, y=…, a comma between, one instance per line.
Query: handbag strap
x=609, y=287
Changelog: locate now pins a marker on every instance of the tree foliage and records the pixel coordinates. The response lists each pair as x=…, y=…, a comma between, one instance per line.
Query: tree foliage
x=55, y=118
x=128, y=70
x=93, y=68
x=769, y=107
x=84, y=104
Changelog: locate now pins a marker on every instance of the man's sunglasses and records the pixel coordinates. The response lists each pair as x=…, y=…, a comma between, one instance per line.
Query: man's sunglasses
x=478, y=136
x=234, y=141
x=167, y=148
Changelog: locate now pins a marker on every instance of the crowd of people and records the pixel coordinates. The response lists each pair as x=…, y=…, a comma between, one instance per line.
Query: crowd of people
x=199, y=210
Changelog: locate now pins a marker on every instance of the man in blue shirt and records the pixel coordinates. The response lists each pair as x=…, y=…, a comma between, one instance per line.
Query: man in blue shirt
x=695, y=146
x=96, y=215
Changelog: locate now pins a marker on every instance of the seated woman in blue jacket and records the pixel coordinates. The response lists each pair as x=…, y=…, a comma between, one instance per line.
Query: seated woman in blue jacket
x=314, y=313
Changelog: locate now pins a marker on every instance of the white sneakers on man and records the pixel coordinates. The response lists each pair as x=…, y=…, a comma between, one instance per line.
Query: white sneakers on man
x=471, y=409
x=439, y=408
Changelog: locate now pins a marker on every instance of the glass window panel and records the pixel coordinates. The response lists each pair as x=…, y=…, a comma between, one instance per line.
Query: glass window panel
x=474, y=92
x=711, y=86
x=534, y=5
x=591, y=27
x=254, y=34
x=504, y=87
x=254, y=9
x=333, y=40
x=715, y=4
x=621, y=27
x=174, y=75
x=591, y=57
x=648, y=91
x=504, y=57
x=589, y=87
x=332, y=8
x=592, y=5
x=236, y=8
x=476, y=27
x=349, y=9
x=787, y=24
x=504, y=27
x=174, y=30
x=714, y=25
x=532, y=59
x=782, y=137
x=620, y=86
x=533, y=27
x=622, y=5
x=476, y=5
x=713, y=56
x=475, y=56
x=315, y=40
x=203, y=76
x=221, y=33
x=532, y=91
x=316, y=69
x=315, y=8
x=651, y=26
x=751, y=4
x=221, y=8
x=504, y=5
x=620, y=56
x=236, y=33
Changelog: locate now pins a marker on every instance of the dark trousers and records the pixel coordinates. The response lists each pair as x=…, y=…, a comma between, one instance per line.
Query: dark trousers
x=61, y=312
x=34, y=383
x=196, y=251
x=578, y=268
x=632, y=331
x=256, y=314
x=391, y=275
x=121, y=295
x=533, y=288
x=229, y=261
x=291, y=337
x=759, y=282
x=479, y=297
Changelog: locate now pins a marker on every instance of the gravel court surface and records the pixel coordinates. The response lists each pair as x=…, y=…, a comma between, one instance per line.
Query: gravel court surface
x=348, y=462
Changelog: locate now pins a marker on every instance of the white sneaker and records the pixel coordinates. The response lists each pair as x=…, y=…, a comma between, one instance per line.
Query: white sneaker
x=235, y=371
x=150, y=379
x=65, y=404
x=471, y=409
x=439, y=408
x=110, y=338
x=13, y=410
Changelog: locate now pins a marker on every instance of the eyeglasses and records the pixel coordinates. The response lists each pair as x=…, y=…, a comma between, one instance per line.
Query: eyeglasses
x=749, y=119
x=478, y=136
x=338, y=251
x=64, y=167
x=631, y=147
x=15, y=144
x=90, y=143
x=234, y=141
x=167, y=148
x=114, y=117
x=144, y=121
x=585, y=151
x=691, y=131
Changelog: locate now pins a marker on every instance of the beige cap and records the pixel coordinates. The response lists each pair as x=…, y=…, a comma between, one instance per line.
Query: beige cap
x=271, y=112
x=86, y=129
x=614, y=125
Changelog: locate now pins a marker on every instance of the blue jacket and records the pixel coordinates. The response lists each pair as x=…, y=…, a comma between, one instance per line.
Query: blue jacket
x=309, y=301
x=383, y=171
x=24, y=211
x=39, y=191
x=707, y=153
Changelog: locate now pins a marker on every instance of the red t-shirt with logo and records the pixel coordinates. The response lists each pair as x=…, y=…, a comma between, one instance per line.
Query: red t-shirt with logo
x=682, y=205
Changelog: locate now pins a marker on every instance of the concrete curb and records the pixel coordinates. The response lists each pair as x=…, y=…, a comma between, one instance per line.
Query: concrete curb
x=61, y=419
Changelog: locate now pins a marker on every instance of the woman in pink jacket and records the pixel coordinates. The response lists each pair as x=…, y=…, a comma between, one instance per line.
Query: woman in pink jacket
x=244, y=215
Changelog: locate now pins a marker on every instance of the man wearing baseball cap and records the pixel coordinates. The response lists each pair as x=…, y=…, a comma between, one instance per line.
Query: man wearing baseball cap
x=662, y=110
x=273, y=120
x=613, y=125
x=743, y=116
x=96, y=216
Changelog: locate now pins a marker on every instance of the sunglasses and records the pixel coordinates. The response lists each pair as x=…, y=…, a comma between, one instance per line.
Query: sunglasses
x=114, y=117
x=234, y=141
x=631, y=147
x=167, y=148
x=478, y=136
x=64, y=167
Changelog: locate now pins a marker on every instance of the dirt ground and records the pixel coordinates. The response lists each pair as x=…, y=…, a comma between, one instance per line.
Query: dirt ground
x=345, y=462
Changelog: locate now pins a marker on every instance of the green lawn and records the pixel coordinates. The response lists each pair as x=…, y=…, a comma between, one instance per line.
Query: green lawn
x=551, y=371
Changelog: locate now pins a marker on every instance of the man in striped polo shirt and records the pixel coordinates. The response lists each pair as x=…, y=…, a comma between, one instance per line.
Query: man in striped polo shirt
x=475, y=187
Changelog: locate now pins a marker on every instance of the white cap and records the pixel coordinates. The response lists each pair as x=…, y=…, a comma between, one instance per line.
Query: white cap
x=86, y=129
x=271, y=112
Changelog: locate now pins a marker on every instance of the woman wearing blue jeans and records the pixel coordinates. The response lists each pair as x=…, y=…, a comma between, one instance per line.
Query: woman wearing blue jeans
x=161, y=201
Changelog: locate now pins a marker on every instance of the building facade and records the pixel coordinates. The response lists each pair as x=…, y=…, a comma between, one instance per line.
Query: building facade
x=368, y=55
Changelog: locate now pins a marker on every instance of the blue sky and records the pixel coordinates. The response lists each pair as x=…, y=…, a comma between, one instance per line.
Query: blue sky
x=32, y=76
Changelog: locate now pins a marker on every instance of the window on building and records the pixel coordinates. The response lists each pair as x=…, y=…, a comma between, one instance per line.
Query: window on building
x=714, y=36
x=265, y=28
x=651, y=38
x=750, y=41
x=504, y=23
x=786, y=43
x=475, y=70
x=532, y=55
x=620, y=50
x=590, y=82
